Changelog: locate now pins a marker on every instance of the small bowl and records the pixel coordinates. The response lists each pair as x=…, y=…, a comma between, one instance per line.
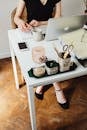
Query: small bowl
x=51, y=67
x=39, y=71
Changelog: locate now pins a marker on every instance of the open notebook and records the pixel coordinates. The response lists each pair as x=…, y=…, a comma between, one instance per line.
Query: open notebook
x=79, y=40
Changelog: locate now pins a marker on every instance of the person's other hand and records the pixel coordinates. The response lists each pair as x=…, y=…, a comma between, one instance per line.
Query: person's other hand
x=34, y=23
x=24, y=26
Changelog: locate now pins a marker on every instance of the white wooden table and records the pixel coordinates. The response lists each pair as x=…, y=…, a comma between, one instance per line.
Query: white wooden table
x=25, y=61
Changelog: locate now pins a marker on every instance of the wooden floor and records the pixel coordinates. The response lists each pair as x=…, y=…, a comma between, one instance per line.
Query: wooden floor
x=14, y=111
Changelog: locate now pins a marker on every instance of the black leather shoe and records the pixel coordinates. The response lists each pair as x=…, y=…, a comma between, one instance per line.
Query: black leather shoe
x=64, y=105
x=39, y=96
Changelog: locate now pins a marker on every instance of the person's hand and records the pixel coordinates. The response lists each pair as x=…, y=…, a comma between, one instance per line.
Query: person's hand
x=24, y=26
x=34, y=23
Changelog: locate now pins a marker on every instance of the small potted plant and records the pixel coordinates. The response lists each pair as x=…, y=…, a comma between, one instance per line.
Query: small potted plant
x=51, y=67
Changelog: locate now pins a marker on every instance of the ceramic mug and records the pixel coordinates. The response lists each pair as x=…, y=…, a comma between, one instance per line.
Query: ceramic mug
x=64, y=63
x=37, y=34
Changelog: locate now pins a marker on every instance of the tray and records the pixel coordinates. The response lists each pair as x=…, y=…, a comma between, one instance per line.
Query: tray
x=83, y=62
x=30, y=72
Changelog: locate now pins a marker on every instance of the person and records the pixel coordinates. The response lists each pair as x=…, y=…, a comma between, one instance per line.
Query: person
x=38, y=13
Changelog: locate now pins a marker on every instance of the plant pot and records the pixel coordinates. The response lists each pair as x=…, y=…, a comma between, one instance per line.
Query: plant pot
x=51, y=67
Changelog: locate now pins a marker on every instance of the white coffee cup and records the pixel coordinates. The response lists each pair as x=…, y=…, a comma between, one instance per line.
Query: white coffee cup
x=37, y=34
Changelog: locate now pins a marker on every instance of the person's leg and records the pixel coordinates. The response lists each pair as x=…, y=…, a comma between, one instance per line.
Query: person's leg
x=39, y=92
x=39, y=89
x=59, y=93
x=60, y=96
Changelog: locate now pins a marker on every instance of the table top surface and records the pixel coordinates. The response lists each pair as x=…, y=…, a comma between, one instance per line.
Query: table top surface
x=24, y=58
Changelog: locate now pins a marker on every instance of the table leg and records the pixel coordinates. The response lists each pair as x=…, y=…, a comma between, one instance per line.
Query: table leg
x=14, y=67
x=31, y=107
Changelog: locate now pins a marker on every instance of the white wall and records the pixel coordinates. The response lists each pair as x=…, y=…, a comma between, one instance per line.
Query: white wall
x=72, y=7
x=6, y=7
x=69, y=7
